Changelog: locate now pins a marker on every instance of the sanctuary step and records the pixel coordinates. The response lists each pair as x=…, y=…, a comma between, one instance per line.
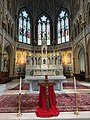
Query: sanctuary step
x=2, y=88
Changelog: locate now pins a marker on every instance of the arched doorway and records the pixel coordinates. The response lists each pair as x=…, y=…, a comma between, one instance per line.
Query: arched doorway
x=8, y=59
x=79, y=58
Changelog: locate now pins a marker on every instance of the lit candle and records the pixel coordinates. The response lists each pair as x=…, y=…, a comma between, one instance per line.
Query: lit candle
x=75, y=84
x=20, y=83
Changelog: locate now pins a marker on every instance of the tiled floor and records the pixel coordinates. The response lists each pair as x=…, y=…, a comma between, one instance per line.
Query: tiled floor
x=85, y=115
x=32, y=116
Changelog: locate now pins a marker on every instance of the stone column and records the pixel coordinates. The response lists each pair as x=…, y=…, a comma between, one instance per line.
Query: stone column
x=58, y=60
x=2, y=56
x=54, y=60
x=13, y=32
x=73, y=64
x=14, y=62
x=10, y=29
x=7, y=27
x=1, y=14
x=34, y=60
x=31, y=60
x=86, y=61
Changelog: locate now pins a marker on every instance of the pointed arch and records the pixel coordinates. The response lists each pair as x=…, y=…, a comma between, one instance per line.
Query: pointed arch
x=79, y=57
x=24, y=26
x=43, y=28
x=62, y=27
x=8, y=58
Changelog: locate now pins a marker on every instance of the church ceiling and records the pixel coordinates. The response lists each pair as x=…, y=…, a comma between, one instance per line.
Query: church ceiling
x=49, y=6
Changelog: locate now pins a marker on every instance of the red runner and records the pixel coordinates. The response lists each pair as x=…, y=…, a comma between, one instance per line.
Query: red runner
x=41, y=111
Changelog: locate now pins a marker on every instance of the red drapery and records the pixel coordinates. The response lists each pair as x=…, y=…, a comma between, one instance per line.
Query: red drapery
x=41, y=111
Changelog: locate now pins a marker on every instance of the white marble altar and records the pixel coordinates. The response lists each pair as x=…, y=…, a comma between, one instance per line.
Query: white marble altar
x=34, y=80
x=39, y=65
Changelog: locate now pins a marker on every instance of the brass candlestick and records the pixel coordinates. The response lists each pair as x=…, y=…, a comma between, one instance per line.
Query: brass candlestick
x=76, y=100
x=19, y=106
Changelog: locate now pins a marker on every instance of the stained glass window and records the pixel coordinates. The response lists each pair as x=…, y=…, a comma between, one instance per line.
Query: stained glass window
x=43, y=30
x=63, y=27
x=24, y=27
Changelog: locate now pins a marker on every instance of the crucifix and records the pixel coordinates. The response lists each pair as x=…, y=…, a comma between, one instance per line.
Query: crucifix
x=46, y=84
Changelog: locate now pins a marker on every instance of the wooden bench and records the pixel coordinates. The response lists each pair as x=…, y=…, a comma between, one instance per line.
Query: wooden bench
x=4, y=77
x=80, y=76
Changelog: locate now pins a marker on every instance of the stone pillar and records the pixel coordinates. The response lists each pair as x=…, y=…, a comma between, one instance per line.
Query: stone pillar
x=85, y=55
x=54, y=60
x=7, y=27
x=13, y=32
x=14, y=67
x=51, y=60
x=14, y=62
x=2, y=57
x=31, y=60
x=9, y=30
x=58, y=59
x=53, y=50
x=1, y=15
x=86, y=65
x=34, y=59
x=73, y=64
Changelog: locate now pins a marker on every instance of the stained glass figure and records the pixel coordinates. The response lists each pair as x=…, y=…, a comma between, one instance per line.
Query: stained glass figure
x=24, y=27
x=63, y=27
x=43, y=30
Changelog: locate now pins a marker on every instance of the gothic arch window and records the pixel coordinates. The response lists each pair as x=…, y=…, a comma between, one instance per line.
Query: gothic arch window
x=24, y=27
x=63, y=27
x=43, y=30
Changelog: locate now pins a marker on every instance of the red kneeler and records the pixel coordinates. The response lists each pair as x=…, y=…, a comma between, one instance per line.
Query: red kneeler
x=41, y=111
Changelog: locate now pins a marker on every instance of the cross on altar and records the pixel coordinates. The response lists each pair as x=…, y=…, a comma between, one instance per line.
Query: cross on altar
x=46, y=84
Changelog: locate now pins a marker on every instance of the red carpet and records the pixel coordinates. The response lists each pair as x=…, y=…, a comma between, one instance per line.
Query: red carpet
x=65, y=102
x=70, y=85
x=66, y=85
x=25, y=86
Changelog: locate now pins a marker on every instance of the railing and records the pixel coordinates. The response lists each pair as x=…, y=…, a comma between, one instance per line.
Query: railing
x=85, y=32
x=7, y=36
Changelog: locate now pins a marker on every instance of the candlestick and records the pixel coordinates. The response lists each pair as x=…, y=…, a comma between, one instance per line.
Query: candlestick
x=76, y=101
x=75, y=84
x=19, y=106
x=20, y=84
x=76, y=98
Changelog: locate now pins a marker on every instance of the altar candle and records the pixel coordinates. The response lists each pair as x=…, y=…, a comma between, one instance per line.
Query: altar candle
x=20, y=83
x=75, y=84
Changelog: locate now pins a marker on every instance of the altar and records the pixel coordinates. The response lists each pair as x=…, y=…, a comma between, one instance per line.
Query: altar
x=39, y=65
x=34, y=80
